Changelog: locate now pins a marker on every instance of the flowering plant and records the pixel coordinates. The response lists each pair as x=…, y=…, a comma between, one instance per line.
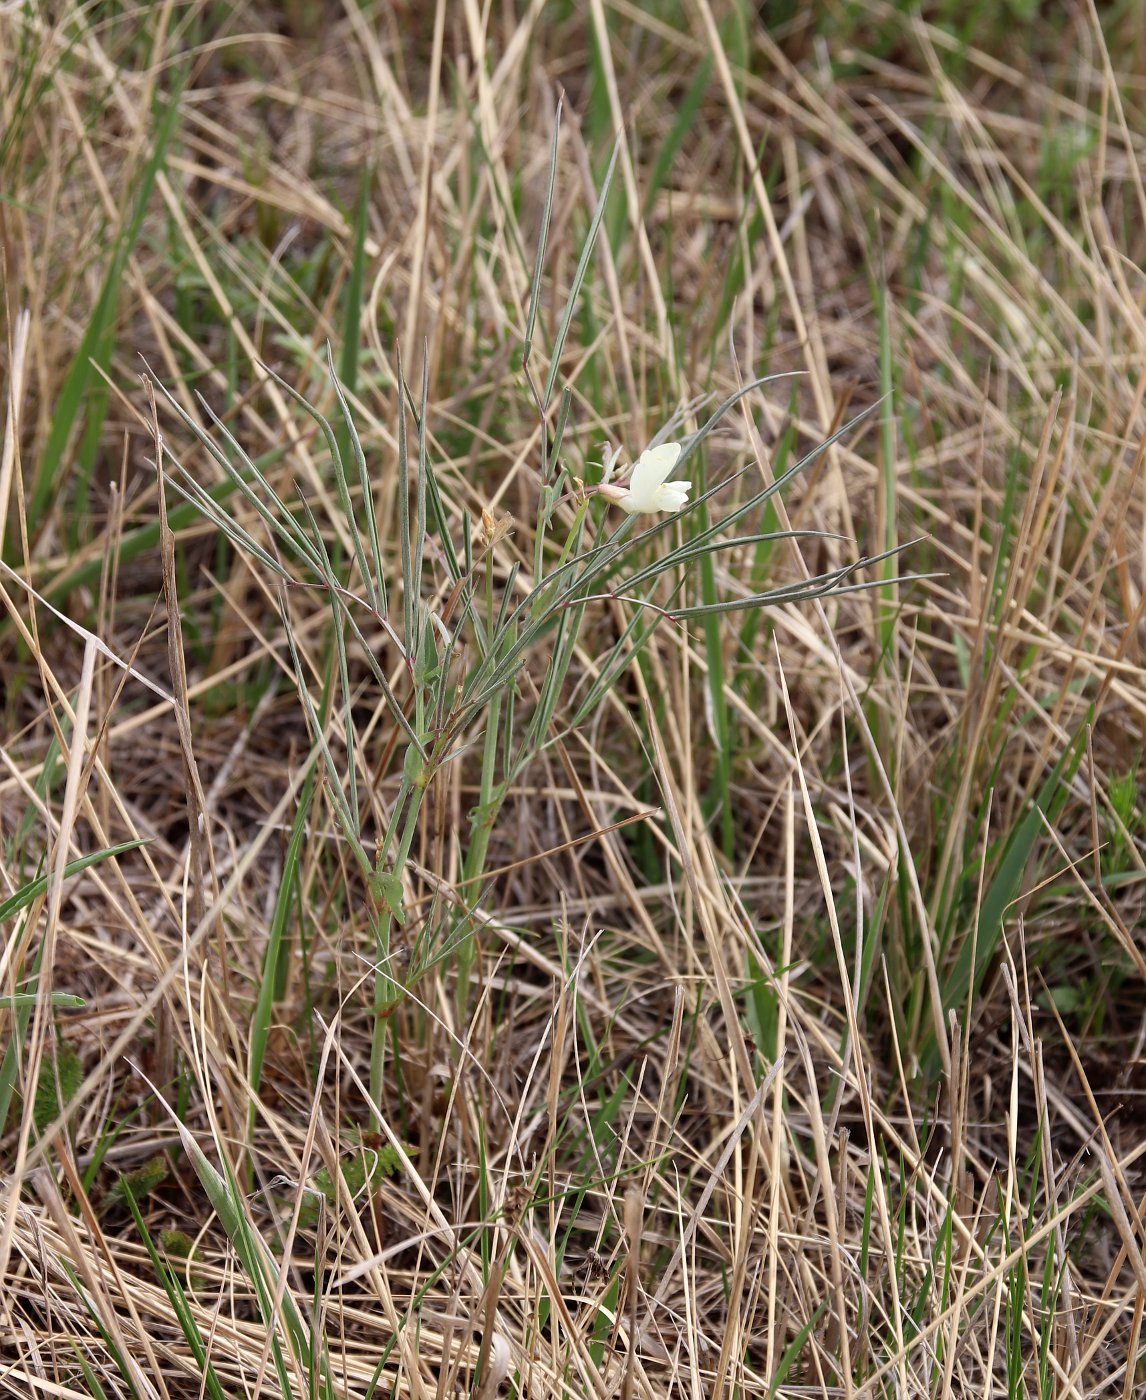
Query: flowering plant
x=648, y=489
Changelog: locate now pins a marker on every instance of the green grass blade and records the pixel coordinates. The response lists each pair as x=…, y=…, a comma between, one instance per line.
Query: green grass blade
x=409, y=592
x=353, y=301
x=420, y=498
x=26, y=894
x=93, y=357
x=889, y=497
x=978, y=954
x=579, y=278
x=374, y=579
x=277, y=939
x=178, y=1300
x=341, y=481
x=681, y=127
x=542, y=243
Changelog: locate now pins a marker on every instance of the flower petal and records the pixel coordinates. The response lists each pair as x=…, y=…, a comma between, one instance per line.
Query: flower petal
x=669, y=499
x=653, y=466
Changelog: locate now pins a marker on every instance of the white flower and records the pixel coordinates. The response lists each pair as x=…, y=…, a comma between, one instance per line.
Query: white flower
x=647, y=490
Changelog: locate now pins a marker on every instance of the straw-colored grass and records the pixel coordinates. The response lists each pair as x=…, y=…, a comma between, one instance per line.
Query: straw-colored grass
x=757, y=1013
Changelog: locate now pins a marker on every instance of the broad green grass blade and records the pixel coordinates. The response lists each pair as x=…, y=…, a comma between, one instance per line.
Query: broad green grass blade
x=28, y=893
x=62, y=1001
x=794, y=1348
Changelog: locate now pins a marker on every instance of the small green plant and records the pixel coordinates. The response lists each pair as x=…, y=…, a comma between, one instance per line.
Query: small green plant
x=360, y=1173
x=176, y=1244
x=141, y=1181
x=60, y=1076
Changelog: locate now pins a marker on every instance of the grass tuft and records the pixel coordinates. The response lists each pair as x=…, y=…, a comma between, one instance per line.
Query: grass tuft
x=459, y=938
